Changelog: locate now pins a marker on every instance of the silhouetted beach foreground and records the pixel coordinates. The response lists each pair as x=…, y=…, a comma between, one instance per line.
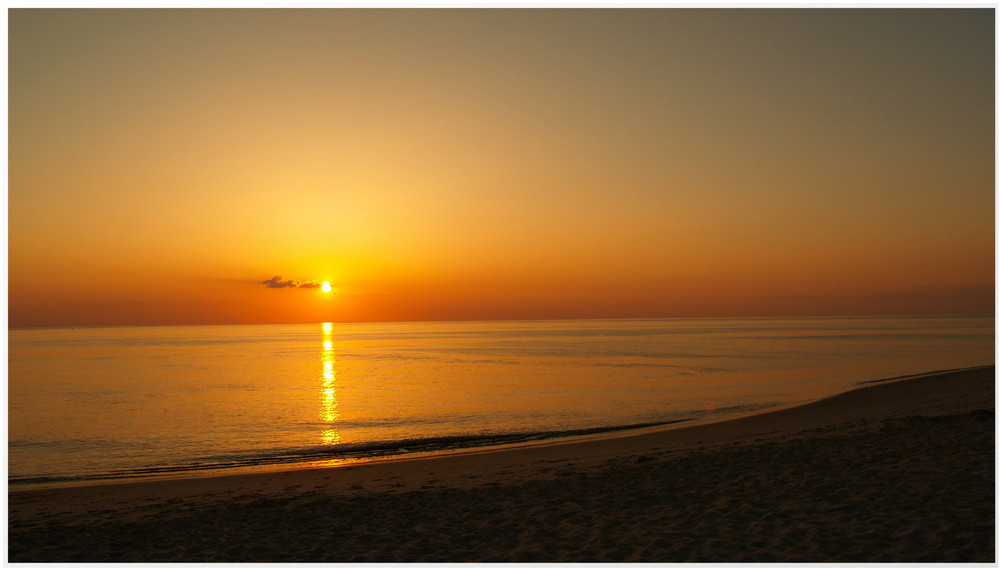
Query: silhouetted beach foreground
x=894, y=471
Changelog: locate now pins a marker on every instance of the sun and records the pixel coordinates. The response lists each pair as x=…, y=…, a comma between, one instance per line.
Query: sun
x=326, y=287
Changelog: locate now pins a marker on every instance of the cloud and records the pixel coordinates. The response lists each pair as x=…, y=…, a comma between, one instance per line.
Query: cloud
x=277, y=282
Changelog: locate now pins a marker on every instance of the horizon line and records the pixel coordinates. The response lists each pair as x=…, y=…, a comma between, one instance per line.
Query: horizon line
x=861, y=316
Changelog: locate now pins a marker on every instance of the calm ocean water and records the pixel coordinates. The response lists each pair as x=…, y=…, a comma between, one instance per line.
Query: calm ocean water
x=111, y=403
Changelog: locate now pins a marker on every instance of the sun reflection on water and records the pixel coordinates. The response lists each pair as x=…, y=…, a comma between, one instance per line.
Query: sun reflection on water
x=329, y=412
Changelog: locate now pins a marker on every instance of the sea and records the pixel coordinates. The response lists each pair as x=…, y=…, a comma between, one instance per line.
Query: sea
x=100, y=404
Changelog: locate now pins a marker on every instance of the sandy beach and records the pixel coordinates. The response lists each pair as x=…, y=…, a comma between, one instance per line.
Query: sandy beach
x=894, y=471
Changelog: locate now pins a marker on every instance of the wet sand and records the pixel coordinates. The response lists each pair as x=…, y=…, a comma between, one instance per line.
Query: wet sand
x=898, y=471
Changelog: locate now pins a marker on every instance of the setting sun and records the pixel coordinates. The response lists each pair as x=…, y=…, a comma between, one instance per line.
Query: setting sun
x=544, y=224
x=399, y=203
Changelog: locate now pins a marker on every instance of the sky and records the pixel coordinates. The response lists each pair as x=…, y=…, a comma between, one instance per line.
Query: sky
x=164, y=166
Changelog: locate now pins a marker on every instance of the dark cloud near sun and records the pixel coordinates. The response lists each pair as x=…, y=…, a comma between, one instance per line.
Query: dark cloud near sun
x=277, y=282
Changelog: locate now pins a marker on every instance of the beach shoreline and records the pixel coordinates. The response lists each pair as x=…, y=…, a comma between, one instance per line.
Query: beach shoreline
x=564, y=500
x=549, y=439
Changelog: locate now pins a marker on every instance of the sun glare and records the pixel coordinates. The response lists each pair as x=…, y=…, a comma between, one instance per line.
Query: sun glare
x=326, y=287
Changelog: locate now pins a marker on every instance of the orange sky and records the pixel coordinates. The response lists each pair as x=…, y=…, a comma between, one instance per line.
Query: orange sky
x=497, y=164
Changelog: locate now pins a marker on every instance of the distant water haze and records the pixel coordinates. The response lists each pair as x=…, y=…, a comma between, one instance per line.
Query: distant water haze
x=98, y=403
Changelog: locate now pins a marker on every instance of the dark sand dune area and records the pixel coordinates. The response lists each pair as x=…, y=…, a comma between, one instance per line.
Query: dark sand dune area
x=901, y=471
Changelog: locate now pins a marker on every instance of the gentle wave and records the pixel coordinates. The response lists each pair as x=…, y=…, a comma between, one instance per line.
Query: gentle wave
x=340, y=451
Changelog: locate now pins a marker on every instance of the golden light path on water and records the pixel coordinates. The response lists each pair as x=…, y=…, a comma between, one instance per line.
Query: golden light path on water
x=329, y=412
